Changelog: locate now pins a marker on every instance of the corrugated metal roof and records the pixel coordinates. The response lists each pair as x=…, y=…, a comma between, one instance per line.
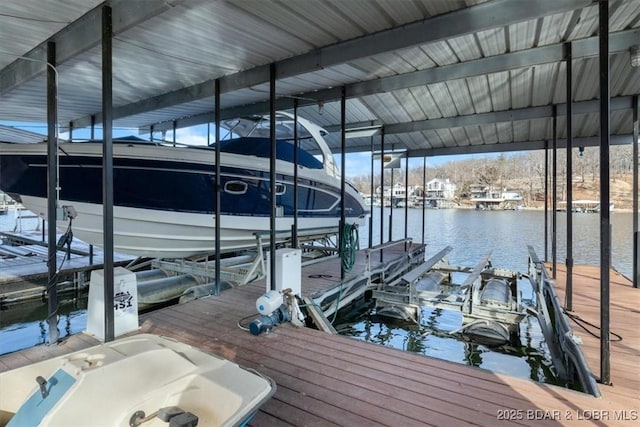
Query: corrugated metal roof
x=450, y=68
x=12, y=134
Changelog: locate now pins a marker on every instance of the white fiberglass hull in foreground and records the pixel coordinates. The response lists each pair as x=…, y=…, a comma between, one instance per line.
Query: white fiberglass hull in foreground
x=116, y=383
x=169, y=234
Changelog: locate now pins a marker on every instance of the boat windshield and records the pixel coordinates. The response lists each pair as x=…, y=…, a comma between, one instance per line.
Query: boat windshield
x=259, y=127
x=261, y=147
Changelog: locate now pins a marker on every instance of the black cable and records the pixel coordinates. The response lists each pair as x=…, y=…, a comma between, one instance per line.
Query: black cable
x=65, y=239
x=581, y=322
x=241, y=326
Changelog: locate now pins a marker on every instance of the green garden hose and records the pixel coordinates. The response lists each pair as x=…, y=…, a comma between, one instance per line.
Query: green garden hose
x=349, y=245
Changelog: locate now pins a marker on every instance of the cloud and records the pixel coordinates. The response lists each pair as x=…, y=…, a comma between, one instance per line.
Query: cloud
x=196, y=135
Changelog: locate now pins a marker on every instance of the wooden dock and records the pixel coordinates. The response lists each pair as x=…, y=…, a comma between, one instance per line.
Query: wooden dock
x=624, y=325
x=24, y=269
x=325, y=379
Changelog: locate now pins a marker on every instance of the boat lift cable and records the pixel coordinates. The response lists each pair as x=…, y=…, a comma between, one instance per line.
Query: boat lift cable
x=335, y=313
x=348, y=246
x=53, y=280
x=583, y=324
x=65, y=239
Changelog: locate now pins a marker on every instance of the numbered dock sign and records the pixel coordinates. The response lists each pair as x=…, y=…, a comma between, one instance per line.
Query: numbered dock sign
x=125, y=303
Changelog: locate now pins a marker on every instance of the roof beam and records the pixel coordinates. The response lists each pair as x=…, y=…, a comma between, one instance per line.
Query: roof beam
x=593, y=141
x=79, y=36
x=583, y=107
x=530, y=113
x=465, y=21
x=618, y=42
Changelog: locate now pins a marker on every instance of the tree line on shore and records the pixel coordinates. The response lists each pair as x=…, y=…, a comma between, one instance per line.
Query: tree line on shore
x=524, y=171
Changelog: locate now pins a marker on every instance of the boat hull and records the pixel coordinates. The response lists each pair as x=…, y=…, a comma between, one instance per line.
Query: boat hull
x=164, y=234
x=113, y=383
x=164, y=197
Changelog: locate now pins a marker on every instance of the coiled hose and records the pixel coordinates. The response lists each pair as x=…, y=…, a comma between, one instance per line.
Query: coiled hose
x=349, y=245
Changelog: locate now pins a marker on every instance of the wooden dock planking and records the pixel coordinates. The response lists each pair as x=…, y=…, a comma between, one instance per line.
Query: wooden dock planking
x=324, y=379
x=31, y=265
x=313, y=370
x=356, y=368
x=624, y=320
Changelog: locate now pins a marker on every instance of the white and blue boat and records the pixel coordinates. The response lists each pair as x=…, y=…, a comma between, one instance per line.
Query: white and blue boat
x=144, y=380
x=164, y=195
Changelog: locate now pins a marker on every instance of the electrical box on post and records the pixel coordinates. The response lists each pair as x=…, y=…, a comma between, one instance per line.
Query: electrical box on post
x=288, y=270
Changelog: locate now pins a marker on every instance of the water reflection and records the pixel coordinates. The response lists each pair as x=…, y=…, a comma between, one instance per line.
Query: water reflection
x=24, y=325
x=525, y=356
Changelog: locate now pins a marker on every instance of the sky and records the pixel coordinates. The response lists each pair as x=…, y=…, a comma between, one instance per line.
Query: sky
x=356, y=164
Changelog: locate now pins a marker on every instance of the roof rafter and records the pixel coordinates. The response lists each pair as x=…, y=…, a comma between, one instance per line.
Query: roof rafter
x=582, y=107
x=592, y=141
x=588, y=47
x=465, y=21
x=79, y=36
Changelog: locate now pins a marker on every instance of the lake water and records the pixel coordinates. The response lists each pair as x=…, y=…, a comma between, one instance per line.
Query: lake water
x=23, y=326
x=471, y=234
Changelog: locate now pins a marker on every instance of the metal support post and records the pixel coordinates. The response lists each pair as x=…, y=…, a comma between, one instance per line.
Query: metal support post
x=424, y=197
x=343, y=178
x=272, y=173
x=391, y=202
x=406, y=198
x=554, y=195
x=381, y=193
x=294, y=231
x=218, y=189
x=371, y=190
x=52, y=192
x=636, y=240
x=569, y=260
x=546, y=201
x=605, y=220
x=107, y=171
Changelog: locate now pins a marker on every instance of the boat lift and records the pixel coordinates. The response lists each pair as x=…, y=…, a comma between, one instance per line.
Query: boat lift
x=488, y=298
x=246, y=267
x=491, y=307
